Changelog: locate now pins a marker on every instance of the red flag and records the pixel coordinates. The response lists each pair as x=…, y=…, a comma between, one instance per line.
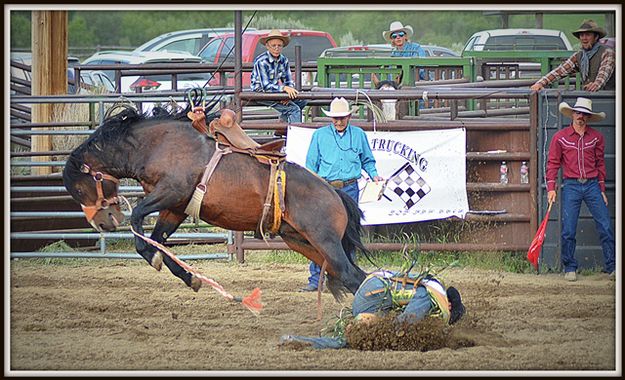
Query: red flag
x=537, y=243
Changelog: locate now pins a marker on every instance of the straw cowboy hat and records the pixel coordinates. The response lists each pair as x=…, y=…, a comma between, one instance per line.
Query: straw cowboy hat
x=274, y=33
x=338, y=108
x=397, y=26
x=590, y=26
x=582, y=105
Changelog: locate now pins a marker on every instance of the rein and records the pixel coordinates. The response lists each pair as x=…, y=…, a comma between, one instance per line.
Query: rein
x=101, y=203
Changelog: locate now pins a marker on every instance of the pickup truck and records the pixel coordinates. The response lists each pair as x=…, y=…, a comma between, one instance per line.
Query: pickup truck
x=221, y=49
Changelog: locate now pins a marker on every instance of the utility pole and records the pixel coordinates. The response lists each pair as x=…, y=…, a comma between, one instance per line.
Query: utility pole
x=49, y=74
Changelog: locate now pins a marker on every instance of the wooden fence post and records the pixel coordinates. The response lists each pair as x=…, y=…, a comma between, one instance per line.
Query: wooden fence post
x=49, y=74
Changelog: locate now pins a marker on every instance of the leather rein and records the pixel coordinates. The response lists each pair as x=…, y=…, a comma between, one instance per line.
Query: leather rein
x=101, y=203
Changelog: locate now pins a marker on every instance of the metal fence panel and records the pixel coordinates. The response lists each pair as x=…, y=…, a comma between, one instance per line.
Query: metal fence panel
x=588, y=254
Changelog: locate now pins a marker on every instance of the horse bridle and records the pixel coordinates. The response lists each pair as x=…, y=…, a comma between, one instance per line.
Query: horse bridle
x=101, y=203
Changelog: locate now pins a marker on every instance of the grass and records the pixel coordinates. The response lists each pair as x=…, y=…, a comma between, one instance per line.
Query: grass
x=512, y=262
x=500, y=261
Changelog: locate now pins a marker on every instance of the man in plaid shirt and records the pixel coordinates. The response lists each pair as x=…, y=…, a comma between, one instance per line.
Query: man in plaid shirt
x=595, y=62
x=271, y=68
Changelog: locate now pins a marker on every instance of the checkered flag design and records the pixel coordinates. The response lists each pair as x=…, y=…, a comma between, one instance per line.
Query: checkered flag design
x=407, y=185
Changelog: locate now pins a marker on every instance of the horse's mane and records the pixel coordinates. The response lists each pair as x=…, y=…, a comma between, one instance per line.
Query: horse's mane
x=118, y=127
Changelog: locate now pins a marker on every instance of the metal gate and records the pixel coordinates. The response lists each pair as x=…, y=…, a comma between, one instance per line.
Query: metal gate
x=588, y=252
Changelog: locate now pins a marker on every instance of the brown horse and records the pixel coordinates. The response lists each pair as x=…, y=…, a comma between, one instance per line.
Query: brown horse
x=167, y=156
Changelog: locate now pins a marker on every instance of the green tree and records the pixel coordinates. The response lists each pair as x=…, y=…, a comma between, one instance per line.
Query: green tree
x=79, y=33
x=20, y=30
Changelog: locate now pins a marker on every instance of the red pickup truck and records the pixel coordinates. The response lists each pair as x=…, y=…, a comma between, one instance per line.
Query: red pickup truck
x=221, y=48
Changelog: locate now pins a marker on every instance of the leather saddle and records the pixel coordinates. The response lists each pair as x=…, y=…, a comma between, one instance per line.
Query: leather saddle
x=227, y=131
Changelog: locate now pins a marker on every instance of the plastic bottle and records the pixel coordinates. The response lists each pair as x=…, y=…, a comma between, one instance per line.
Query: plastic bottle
x=525, y=178
x=503, y=173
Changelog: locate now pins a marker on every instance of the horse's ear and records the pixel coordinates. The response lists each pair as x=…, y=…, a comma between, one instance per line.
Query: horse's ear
x=375, y=80
x=399, y=78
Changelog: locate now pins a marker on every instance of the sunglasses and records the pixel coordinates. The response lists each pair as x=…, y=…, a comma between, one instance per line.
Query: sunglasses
x=581, y=113
x=398, y=34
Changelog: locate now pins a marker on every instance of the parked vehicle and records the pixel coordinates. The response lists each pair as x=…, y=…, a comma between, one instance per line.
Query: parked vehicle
x=189, y=41
x=609, y=42
x=383, y=50
x=159, y=82
x=91, y=80
x=380, y=51
x=518, y=39
x=220, y=48
x=22, y=76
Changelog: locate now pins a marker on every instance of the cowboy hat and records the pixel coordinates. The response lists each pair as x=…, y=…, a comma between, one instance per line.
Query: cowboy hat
x=338, y=108
x=274, y=33
x=590, y=26
x=397, y=26
x=582, y=105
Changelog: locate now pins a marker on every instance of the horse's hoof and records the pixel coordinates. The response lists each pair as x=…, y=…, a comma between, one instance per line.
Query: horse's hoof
x=157, y=261
x=196, y=283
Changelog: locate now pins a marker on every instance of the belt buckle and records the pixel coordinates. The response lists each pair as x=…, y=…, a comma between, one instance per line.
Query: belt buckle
x=338, y=184
x=582, y=180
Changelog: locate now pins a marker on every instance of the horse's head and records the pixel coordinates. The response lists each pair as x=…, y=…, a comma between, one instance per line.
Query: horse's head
x=389, y=85
x=96, y=192
x=388, y=105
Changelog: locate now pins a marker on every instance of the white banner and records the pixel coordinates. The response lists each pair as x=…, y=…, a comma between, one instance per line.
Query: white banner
x=426, y=173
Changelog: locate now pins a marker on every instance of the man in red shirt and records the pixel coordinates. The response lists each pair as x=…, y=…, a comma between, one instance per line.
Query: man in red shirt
x=579, y=150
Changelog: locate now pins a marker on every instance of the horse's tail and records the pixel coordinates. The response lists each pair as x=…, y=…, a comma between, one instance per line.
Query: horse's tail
x=351, y=239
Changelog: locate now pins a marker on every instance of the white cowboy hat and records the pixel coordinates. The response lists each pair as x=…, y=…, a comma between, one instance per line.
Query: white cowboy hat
x=338, y=108
x=397, y=26
x=582, y=105
x=274, y=33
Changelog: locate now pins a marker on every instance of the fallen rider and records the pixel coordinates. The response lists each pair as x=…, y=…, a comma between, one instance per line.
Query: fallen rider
x=414, y=297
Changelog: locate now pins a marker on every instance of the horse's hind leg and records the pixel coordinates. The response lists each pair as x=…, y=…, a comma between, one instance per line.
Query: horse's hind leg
x=166, y=225
x=341, y=271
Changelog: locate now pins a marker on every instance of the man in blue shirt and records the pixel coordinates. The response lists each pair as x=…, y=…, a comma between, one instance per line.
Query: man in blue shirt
x=271, y=68
x=339, y=153
x=399, y=37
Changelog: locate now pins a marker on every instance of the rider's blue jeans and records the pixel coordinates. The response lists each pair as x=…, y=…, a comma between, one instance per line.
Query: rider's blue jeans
x=370, y=299
x=573, y=193
x=315, y=270
x=291, y=112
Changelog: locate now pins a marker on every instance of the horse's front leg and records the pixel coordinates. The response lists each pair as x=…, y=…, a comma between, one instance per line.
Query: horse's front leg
x=167, y=223
x=143, y=209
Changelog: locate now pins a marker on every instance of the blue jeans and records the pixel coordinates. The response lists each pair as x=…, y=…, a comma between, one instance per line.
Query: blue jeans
x=315, y=270
x=291, y=112
x=573, y=193
x=369, y=299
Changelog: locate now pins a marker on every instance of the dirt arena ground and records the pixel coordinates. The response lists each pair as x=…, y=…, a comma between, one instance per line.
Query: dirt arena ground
x=118, y=315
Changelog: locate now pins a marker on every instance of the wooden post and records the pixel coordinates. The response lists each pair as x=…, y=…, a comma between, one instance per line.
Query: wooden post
x=539, y=20
x=238, y=246
x=504, y=20
x=49, y=74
